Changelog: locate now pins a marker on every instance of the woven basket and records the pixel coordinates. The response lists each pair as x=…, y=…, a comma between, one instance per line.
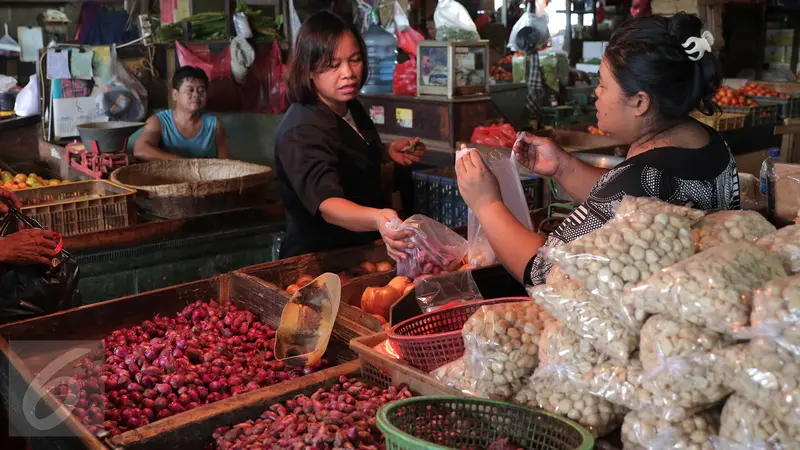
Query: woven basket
x=432, y=340
x=426, y=423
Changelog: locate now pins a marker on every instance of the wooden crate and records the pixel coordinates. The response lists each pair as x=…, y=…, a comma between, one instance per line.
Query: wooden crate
x=382, y=370
x=722, y=121
x=98, y=320
x=670, y=7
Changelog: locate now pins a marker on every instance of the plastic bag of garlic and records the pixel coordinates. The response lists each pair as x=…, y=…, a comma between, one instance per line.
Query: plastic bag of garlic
x=501, y=343
x=645, y=235
x=561, y=348
x=744, y=425
x=776, y=312
x=645, y=430
x=556, y=393
x=766, y=374
x=712, y=289
x=585, y=315
x=665, y=341
x=454, y=374
x=786, y=244
x=728, y=227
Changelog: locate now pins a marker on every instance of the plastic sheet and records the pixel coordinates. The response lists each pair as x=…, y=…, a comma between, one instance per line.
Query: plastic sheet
x=586, y=315
x=712, y=289
x=646, y=430
x=744, y=425
x=776, y=312
x=766, y=374
x=644, y=236
x=501, y=343
x=437, y=249
x=728, y=227
x=786, y=244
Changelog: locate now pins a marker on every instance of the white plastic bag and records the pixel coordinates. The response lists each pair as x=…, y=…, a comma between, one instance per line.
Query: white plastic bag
x=480, y=253
x=8, y=45
x=242, y=26
x=533, y=20
x=453, y=22
x=27, y=103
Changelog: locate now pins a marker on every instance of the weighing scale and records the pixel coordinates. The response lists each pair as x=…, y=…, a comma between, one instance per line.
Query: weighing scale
x=103, y=149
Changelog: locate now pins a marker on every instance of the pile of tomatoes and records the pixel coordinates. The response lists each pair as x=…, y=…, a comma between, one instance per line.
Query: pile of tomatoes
x=500, y=74
x=725, y=96
x=506, y=60
x=759, y=90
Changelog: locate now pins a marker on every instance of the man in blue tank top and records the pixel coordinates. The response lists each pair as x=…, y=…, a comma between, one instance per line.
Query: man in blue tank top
x=185, y=131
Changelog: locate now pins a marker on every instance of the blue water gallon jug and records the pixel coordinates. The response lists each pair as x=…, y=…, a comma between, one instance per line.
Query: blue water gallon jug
x=381, y=59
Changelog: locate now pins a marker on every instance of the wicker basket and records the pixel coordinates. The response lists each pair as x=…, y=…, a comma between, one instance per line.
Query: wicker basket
x=432, y=340
x=723, y=121
x=425, y=423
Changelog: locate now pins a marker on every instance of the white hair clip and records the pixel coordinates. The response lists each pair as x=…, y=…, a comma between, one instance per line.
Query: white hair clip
x=699, y=45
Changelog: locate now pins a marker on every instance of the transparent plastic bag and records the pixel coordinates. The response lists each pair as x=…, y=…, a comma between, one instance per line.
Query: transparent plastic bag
x=766, y=374
x=744, y=425
x=480, y=253
x=436, y=248
x=446, y=290
x=646, y=430
x=712, y=289
x=455, y=375
x=786, y=244
x=122, y=96
x=242, y=26
x=27, y=102
x=453, y=22
x=501, y=343
x=561, y=349
x=728, y=227
x=776, y=312
x=534, y=20
x=663, y=339
x=644, y=236
x=307, y=321
x=558, y=394
x=586, y=315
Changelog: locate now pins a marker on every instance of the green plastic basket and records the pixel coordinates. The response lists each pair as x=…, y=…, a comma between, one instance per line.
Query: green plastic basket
x=425, y=423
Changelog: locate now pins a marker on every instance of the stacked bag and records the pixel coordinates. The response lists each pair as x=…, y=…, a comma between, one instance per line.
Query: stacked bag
x=642, y=323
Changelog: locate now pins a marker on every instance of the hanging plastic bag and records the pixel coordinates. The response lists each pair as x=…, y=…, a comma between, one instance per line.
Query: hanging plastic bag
x=437, y=249
x=278, y=90
x=242, y=57
x=407, y=37
x=27, y=102
x=480, y=253
x=404, y=81
x=453, y=22
x=30, y=291
x=122, y=97
x=445, y=291
x=7, y=43
x=242, y=25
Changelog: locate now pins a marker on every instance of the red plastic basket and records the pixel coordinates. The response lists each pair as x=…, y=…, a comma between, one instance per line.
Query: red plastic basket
x=434, y=339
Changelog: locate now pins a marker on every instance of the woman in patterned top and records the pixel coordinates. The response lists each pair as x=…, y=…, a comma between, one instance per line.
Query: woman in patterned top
x=655, y=71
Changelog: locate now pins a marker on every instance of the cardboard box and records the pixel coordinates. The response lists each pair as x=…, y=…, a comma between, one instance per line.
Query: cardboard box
x=669, y=7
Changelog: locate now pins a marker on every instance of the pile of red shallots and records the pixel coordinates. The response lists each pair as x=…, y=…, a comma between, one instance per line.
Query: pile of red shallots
x=337, y=418
x=166, y=366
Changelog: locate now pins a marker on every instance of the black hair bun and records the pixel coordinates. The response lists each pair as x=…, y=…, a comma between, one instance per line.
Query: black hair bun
x=683, y=26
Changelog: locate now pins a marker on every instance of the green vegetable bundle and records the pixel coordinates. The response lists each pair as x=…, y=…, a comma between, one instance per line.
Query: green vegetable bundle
x=203, y=26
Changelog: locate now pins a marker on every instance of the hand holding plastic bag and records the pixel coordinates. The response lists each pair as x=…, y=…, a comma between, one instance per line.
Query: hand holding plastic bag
x=453, y=22
x=436, y=249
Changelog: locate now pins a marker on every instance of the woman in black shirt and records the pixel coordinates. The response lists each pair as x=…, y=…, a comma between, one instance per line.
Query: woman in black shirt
x=655, y=71
x=328, y=152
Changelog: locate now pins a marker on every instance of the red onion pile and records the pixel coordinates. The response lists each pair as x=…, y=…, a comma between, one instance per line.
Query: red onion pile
x=166, y=366
x=340, y=417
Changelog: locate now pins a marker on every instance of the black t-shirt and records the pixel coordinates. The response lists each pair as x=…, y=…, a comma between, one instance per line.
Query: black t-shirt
x=704, y=178
x=318, y=156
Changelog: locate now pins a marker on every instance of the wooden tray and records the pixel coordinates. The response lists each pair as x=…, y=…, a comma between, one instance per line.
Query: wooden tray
x=98, y=320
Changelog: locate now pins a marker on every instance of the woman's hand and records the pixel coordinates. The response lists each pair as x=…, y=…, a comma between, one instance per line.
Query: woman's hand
x=395, y=240
x=477, y=184
x=540, y=155
x=406, y=151
x=27, y=247
x=8, y=196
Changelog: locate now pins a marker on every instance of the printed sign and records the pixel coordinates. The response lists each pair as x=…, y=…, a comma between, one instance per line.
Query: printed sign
x=377, y=114
x=405, y=117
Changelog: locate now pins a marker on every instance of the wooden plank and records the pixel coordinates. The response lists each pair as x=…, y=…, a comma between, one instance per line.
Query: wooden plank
x=136, y=234
x=193, y=429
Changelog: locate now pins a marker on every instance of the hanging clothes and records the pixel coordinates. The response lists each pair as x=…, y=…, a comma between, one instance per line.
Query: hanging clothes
x=535, y=87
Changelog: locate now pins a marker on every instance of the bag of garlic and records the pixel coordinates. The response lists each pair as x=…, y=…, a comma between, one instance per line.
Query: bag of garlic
x=501, y=343
x=786, y=244
x=645, y=430
x=556, y=393
x=666, y=340
x=776, y=312
x=585, y=315
x=743, y=425
x=561, y=348
x=766, y=374
x=728, y=227
x=712, y=289
x=454, y=374
x=645, y=235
